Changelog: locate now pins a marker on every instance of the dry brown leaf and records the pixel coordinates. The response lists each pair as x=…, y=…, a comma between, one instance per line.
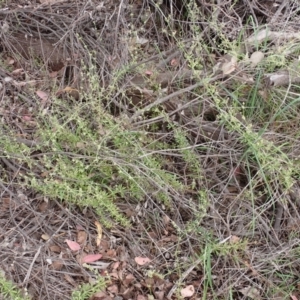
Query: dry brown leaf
x=70, y=280
x=229, y=65
x=57, y=265
x=129, y=212
x=104, y=245
x=188, y=291
x=55, y=248
x=43, y=206
x=141, y=41
x=234, y=239
x=166, y=220
x=50, y=2
x=44, y=174
x=81, y=237
x=7, y=203
x=45, y=237
x=111, y=253
x=281, y=78
x=251, y=292
x=128, y=293
x=81, y=145
x=99, y=235
x=72, y=92
x=114, y=275
x=256, y=57
x=260, y=36
x=153, y=235
x=80, y=256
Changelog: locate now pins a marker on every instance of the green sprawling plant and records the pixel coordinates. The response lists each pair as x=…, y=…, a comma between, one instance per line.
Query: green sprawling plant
x=86, y=291
x=90, y=159
x=9, y=291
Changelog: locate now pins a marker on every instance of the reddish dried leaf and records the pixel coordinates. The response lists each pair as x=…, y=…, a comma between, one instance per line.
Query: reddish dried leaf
x=159, y=282
x=128, y=280
x=142, y=260
x=111, y=253
x=121, y=274
x=138, y=285
x=53, y=74
x=188, y=291
x=293, y=297
x=26, y=118
x=17, y=71
x=160, y=295
x=113, y=289
x=174, y=238
x=101, y=296
x=7, y=203
x=234, y=239
x=43, y=95
x=91, y=258
x=73, y=245
x=116, y=265
x=152, y=234
x=174, y=62
x=79, y=227
x=128, y=293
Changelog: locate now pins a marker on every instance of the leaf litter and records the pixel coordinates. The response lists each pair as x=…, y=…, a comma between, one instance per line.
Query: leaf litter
x=115, y=254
